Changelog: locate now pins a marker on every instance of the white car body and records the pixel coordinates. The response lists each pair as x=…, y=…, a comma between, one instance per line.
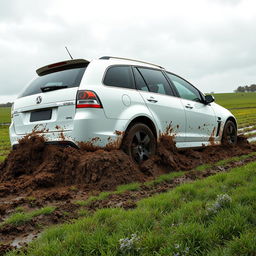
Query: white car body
x=193, y=123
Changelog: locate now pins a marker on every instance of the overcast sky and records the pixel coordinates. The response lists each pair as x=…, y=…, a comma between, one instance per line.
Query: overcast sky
x=211, y=43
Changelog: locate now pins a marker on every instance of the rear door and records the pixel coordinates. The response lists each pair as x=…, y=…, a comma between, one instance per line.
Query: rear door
x=48, y=102
x=166, y=109
x=119, y=98
x=201, y=118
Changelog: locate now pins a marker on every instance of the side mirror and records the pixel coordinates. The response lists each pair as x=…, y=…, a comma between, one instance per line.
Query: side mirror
x=208, y=99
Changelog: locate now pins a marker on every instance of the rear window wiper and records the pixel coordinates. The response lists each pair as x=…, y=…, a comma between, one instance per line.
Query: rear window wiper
x=53, y=87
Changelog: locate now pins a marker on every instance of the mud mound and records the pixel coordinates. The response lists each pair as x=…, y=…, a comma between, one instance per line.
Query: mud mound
x=35, y=165
x=168, y=158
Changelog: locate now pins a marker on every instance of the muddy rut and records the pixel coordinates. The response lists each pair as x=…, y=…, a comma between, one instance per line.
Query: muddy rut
x=59, y=176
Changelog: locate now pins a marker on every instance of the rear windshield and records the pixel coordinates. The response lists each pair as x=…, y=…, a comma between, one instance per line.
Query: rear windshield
x=68, y=78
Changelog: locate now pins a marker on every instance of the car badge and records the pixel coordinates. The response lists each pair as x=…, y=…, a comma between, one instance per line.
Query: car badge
x=38, y=100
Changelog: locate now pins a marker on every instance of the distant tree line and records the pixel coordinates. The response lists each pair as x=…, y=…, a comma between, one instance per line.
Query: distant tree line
x=250, y=88
x=8, y=104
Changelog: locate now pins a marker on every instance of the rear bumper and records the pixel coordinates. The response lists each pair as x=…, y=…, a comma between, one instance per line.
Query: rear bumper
x=87, y=127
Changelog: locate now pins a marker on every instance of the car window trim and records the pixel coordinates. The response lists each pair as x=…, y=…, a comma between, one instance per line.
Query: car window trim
x=138, y=66
x=118, y=65
x=200, y=93
x=173, y=88
x=136, y=87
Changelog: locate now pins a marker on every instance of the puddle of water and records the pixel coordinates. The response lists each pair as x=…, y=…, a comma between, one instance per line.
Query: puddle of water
x=247, y=127
x=252, y=139
x=18, y=242
x=252, y=131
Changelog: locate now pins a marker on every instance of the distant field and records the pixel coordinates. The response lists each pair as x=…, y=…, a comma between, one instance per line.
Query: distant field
x=242, y=105
x=4, y=142
x=236, y=100
x=5, y=115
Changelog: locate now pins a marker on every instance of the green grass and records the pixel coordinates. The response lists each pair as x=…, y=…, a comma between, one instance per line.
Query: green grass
x=127, y=187
x=103, y=195
x=4, y=142
x=242, y=105
x=179, y=221
x=91, y=199
x=224, y=162
x=130, y=187
x=245, y=117
x=5, y=114
x=164, y=178
x=158, y=180
x=21, y=217
x=5, y=117
x=236, y=100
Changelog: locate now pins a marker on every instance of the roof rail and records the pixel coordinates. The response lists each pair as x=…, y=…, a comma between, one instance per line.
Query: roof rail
x=112, y=57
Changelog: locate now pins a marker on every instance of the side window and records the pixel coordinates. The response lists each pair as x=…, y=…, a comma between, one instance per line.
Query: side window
x=156, y=81
x=185, y=90
x=119, y=76
x=139, y=80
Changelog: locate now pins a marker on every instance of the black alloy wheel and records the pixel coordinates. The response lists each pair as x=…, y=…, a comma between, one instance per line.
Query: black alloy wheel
x=139, y=143
x=229, y=133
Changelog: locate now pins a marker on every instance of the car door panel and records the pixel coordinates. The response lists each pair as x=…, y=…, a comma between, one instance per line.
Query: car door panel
x=201, y=123
x=168, y=113
x=166, y=109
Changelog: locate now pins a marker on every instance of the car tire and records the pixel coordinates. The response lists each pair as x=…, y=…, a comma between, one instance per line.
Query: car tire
x=229, y=135
x=139, y=143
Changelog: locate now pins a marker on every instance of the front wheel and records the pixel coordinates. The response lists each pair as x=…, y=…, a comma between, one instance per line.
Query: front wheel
x=229, y=133
x=139, y=143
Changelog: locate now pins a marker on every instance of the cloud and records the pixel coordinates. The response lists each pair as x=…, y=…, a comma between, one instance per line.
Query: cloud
x=207, y=42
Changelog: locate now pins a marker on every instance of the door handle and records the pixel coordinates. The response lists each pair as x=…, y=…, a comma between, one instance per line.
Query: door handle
x=188, y=106
x=152, y=100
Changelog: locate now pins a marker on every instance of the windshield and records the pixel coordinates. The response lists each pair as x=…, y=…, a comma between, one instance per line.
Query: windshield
x=61, y=80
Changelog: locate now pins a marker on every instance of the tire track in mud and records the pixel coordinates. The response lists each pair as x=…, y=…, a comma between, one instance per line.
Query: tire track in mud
x=126, y=200
x=59, y=176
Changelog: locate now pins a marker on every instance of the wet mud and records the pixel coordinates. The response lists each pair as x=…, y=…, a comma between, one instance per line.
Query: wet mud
x=36, y=174
x=34, y=165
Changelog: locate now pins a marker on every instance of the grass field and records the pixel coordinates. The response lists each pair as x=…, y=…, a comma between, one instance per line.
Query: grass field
x=236, y=100
x=5, y=115
x=214, y=216
x=4, y=142
x=242, y=105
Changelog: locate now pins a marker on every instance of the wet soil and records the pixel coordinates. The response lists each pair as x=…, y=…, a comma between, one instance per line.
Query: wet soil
x=36, y=174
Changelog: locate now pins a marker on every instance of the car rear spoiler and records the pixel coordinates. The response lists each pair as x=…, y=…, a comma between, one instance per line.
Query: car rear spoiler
x=63, y=65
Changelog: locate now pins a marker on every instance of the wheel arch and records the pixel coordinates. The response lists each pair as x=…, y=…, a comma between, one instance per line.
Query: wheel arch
x=225, y=139
x=231, y=118
x=144, y=120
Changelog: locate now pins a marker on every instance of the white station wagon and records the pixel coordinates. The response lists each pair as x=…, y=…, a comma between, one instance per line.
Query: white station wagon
x=113, y=99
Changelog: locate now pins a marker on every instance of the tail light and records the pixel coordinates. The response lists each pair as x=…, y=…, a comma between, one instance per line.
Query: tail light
x=87, y=99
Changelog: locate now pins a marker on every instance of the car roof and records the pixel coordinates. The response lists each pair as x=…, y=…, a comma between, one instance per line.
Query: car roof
x=78, y=62
x=121, y=60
